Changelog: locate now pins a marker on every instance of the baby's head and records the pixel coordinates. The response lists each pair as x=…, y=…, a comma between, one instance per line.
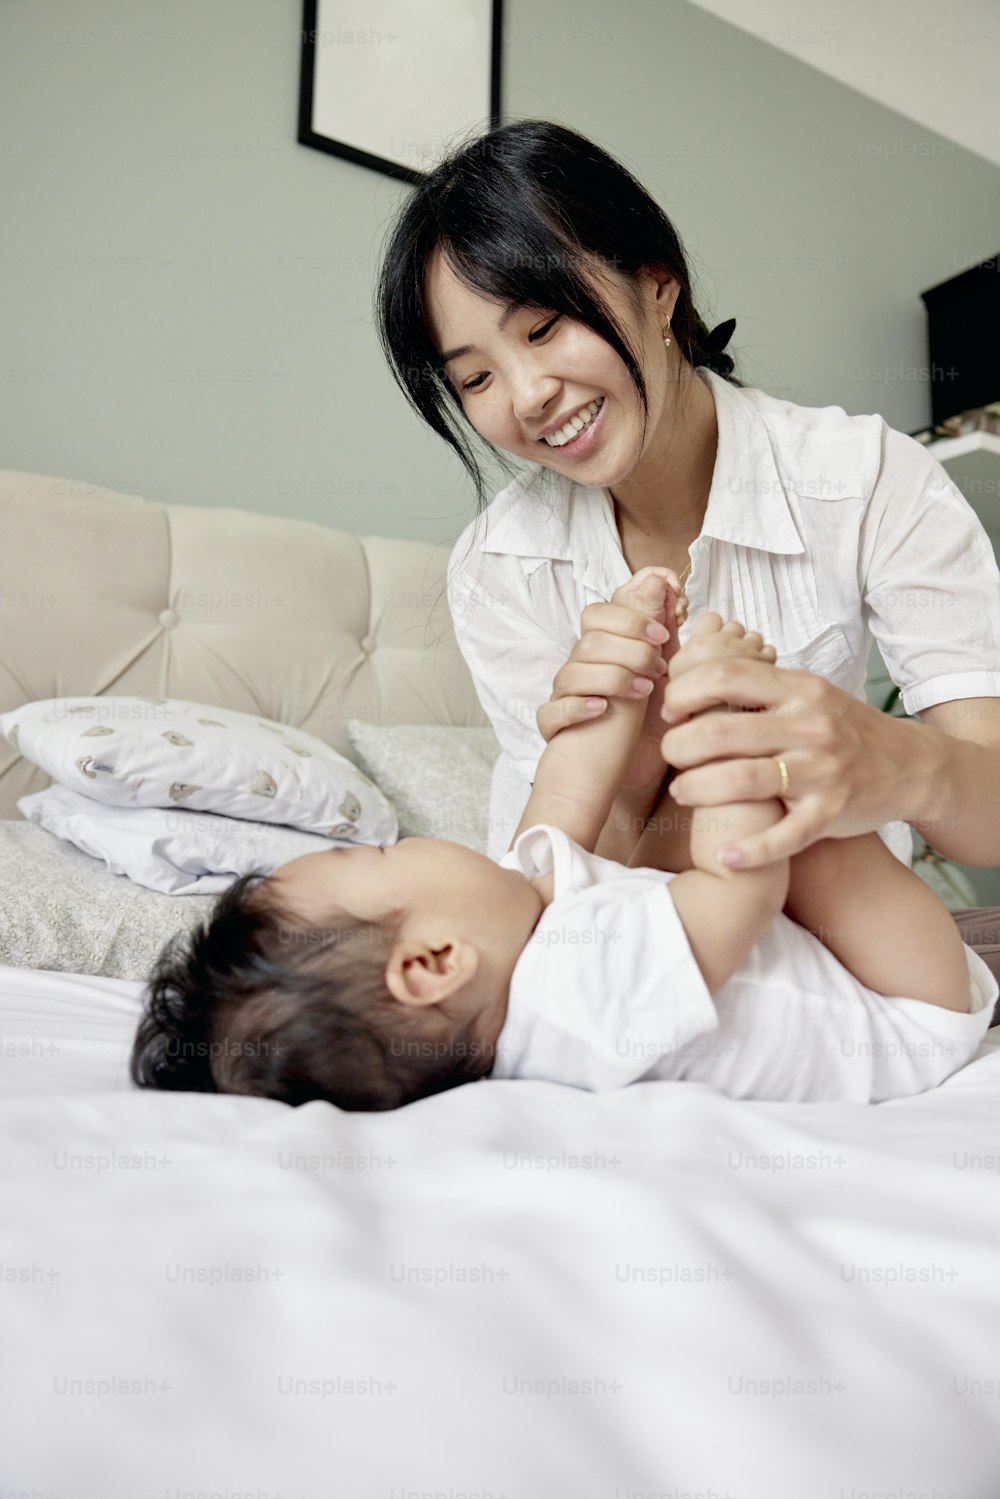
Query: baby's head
x=365, y=976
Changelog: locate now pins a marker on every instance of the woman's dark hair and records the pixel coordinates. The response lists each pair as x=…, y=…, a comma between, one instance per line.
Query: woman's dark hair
x=528, y=213
x=254, y=1001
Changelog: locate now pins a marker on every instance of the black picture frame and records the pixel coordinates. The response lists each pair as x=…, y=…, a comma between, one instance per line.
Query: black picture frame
x=308, y=135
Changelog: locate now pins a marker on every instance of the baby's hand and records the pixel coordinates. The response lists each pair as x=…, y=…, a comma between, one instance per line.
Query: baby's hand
x=654, y=591
x=711, y=640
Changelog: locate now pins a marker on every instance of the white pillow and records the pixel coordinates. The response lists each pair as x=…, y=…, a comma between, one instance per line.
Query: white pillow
x=436, y=775
x=161, y=752
x=178, y=852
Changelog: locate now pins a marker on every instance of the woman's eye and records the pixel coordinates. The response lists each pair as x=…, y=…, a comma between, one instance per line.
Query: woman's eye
x=542, y=331
x=474, y=384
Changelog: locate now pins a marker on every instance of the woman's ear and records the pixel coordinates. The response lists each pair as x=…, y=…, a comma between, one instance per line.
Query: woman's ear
x=418, y=974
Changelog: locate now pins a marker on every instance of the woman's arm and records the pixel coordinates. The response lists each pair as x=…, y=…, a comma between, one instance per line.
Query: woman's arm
x=960, y=814
x=929, y=589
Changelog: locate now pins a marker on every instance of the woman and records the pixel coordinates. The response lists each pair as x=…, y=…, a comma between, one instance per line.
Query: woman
x=530, y=281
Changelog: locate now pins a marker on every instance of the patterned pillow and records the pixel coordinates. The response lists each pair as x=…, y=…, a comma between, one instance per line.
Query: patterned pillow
x=162, y=752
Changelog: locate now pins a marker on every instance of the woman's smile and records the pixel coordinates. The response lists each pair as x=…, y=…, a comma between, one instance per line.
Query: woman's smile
x=586, y=437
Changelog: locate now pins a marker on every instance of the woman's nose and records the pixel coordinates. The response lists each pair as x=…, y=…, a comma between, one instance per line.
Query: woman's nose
x=535, y=399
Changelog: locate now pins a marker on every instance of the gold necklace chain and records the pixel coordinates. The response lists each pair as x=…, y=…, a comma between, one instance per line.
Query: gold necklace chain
x=684, y=574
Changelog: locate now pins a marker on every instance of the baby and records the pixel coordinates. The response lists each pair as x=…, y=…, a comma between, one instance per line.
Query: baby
x=371, y=977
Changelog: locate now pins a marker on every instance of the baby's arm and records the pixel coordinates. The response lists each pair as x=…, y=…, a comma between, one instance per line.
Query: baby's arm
x=581, y=769
x=880, y=919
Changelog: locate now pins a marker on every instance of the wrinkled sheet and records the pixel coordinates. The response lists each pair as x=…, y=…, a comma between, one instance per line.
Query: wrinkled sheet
x=513, y=1289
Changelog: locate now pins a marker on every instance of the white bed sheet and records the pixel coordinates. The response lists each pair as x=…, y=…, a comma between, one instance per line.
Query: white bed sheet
x=233, y=1263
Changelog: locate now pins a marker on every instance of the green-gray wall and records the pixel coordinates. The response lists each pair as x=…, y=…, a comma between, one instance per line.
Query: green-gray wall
x=165, y=133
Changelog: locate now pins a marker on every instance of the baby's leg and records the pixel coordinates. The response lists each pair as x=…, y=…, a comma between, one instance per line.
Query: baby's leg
x=880, y=919
x=665, y=841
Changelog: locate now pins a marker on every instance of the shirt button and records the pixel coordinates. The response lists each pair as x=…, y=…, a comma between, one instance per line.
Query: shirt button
x=168, y=618
x=368, y=644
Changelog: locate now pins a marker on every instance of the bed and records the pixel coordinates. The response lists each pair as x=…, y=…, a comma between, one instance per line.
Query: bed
x=513, y=1289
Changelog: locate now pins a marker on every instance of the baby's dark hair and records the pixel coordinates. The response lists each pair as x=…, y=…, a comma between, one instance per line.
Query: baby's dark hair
x=255, y=1001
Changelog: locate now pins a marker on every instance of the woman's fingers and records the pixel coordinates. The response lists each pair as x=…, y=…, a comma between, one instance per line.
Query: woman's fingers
x=565, y=711
x=754, y=778
x=599, y=679
x=713, y=739
x=617, y=619
x=598, y=647
x=744, y=683
x=797, y=830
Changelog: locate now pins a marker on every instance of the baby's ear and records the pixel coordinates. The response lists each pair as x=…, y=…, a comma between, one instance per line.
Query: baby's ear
x=419, y=974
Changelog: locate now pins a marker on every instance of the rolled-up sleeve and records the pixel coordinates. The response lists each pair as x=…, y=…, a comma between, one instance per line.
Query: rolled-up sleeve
x=512, y=661
x=930, y=581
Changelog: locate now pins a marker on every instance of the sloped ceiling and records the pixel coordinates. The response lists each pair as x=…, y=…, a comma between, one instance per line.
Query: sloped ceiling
x=938, y=64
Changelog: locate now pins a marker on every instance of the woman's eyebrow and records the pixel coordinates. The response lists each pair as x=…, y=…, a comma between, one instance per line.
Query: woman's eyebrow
x=505, y=318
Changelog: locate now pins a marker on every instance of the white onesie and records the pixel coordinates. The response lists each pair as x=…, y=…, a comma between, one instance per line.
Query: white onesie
x=608, y=991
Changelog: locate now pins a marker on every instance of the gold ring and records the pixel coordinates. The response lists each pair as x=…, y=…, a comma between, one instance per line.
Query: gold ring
x=783, y=788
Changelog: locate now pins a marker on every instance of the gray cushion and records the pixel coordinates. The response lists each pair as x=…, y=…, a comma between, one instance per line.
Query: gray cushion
x=63, y=910
x=437, y=776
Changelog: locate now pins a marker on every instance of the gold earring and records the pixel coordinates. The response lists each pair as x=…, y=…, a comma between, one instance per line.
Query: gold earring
x=666, y=340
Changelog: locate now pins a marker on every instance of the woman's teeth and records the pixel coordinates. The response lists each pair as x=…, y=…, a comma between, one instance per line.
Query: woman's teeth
x=575, y=424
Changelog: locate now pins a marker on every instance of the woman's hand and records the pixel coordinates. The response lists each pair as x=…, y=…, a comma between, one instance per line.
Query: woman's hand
x=615, y=644
x=622, y=652
x=846, y=761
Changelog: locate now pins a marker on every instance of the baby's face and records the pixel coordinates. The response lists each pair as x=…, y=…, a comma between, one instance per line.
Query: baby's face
x=436, y=884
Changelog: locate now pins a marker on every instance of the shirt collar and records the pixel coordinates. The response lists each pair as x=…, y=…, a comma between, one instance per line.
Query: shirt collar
x=538, y=515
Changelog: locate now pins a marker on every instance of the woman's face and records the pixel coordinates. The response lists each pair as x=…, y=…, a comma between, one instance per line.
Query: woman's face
x=516, y=378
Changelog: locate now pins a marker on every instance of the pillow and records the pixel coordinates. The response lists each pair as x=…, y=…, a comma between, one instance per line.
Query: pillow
x=178, y=852
x=62, y=911
x=161, y=752
x=437, y=776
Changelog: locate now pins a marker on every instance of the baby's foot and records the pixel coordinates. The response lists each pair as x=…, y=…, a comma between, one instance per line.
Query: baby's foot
x=709, y=639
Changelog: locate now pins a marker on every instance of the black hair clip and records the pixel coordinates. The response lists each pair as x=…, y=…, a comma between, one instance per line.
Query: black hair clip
x=720, y=336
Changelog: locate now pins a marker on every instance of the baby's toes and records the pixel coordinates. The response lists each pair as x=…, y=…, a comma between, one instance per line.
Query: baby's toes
x=708, y=623
x=733, y=629
x=768, y=653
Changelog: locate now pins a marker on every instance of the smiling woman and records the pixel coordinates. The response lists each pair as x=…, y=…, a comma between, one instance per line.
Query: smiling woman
x=527, y=222
x=531, y=281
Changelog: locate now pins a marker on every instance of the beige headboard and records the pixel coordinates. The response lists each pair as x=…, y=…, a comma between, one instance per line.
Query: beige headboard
x=106, y=593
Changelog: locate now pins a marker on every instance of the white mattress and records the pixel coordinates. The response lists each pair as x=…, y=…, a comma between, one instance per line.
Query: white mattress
x=221, y=1270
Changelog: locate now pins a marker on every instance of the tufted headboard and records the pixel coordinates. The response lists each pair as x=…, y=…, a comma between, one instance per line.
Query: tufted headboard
x=106, y=593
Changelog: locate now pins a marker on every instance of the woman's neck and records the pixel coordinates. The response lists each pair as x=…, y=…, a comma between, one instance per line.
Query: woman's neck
x=663, y=501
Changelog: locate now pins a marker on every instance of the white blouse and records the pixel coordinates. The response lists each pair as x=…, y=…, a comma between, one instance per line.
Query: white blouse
x=821, y=531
